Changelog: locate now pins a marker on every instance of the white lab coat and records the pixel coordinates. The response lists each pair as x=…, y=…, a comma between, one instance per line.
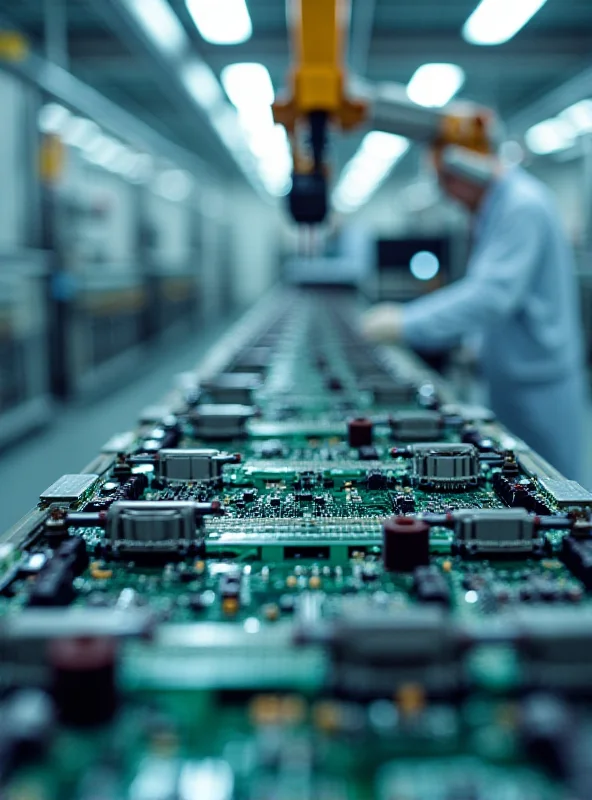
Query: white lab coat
x=520, y=295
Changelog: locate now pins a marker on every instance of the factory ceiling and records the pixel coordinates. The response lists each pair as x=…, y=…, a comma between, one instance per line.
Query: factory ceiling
x=389, y=40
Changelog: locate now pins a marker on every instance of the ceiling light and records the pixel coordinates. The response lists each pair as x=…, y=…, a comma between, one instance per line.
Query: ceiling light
x=549, y=136
x=434, y=85
x=579, y=116
x=366, y=171
x=248, y=85
x=160, y=24
x=201, y=83
x=103, y=151
x=384, y=146
x=174, y=185
x=142, y=168
x=221, y=21
x=78, y=132
x=497, y=21
x=52, y=118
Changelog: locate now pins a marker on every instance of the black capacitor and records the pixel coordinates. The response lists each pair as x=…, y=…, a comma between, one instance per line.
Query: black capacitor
x=359, y=432
x=54, y=586
x=73, y=552
x=376, y=480
x=249, y=495
x=405, y=544
x=367, y=453
x=83, y=680
x=405, y=503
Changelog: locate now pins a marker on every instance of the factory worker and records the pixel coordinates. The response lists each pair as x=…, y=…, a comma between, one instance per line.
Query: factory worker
x=519, y=294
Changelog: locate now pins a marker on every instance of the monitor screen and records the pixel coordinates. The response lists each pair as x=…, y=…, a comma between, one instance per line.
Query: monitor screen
x=422, y=257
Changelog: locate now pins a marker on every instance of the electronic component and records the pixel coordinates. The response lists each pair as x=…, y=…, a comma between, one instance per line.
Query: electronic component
x=28, y=723
x=430, y=586
x=405, y=544
x=388, y=392
x=155, y=527
x=223, y=421
x=193, y=464
x=577, y=557
x=491, y=531
x=359, y=432
x=69, y=489
x=566, y=493
x=445, y=466
x=83, y=680
x=233, y=387
x=415, y=426
x=54, y=585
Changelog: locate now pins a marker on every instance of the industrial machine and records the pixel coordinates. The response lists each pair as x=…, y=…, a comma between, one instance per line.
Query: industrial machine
x=307, y=573
x=318, y=102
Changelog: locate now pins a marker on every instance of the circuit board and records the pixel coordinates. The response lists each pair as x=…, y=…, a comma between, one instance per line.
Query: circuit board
x=308, y=574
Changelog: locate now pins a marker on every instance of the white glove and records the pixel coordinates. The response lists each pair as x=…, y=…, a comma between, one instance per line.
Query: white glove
x=383, y=323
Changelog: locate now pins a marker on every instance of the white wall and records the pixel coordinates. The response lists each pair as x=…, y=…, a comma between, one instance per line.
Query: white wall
x=173, y=222
x=256, y=235
x=107, y=220
x=13, y=155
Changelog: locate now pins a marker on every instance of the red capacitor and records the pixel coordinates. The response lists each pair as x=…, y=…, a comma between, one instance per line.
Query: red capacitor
x=359, y=432
x=405, y=544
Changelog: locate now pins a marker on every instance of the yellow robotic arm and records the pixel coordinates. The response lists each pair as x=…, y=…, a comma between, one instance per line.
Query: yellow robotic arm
x=317, y=101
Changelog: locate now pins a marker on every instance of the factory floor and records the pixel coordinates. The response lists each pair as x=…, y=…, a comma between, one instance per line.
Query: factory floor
x=76, y=435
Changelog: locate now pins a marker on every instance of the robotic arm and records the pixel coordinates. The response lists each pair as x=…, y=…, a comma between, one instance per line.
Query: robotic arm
x=318, y=102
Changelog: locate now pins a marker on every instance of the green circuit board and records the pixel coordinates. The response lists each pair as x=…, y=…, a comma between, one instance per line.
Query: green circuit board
x=308, y=574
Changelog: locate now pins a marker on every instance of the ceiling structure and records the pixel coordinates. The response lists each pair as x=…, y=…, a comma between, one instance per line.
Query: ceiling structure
x=389, y=40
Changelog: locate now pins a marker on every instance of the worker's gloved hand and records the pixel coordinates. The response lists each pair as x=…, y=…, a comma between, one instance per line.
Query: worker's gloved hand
x=383, y=323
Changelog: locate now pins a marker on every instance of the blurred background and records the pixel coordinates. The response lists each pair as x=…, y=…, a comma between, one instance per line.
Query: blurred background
x=143, y=188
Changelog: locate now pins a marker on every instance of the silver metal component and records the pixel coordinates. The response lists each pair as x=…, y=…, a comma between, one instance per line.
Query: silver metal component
x=496, y=529
x=152, y=525
x=192, y=464
x=416, y=426
x=233, y=387
x=445, y=466
x=224, y=421
x=69, y=489
x=566, y=493
x=388, y=391
x=469, y=413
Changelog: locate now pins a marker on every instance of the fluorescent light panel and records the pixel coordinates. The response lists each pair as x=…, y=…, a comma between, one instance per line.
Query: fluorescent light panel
x=498, y=21
x=78, y=132
x=549, y=136
x=366, y=171
x=201, y=83
x=579, y=116
x=221, y=21
x=53, y=118
x=248, y=85
x=174, y=185
x=434, y=85
x=160, y=24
